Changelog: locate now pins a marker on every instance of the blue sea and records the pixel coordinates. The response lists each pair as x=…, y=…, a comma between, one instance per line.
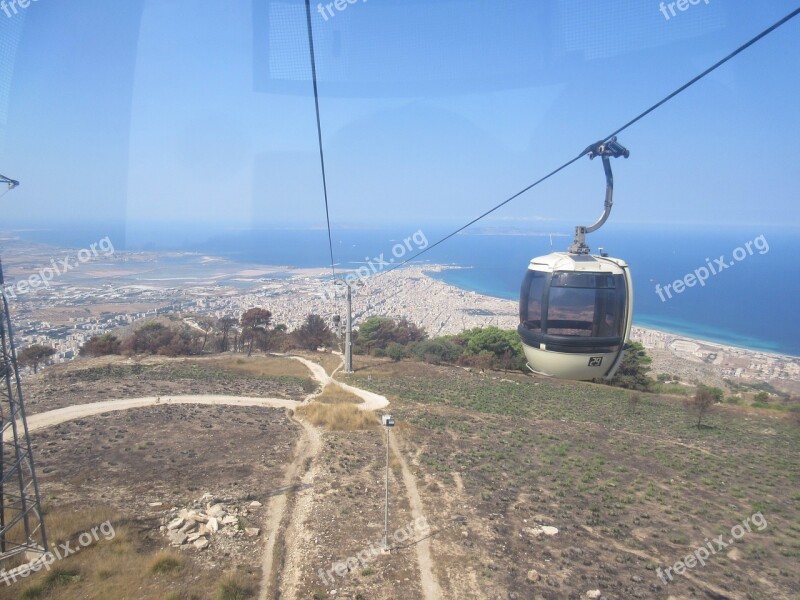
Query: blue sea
x=748, y=304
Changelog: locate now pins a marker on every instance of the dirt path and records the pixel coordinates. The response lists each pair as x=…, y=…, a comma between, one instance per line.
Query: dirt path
x=70, y=413
x=294, y=530
x=286, y=525
x=430, y=585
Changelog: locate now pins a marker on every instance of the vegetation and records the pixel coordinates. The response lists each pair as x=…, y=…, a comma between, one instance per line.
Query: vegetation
x=157, y=338
x=313, y=333
x=225, y=325
x=33, y=355
x=101, y=345
x=703, y=399
x=165, y=562
x=338, y=417
x=482, y=348
x=377, y=333
x=255, y=323
x=231, y=588
x=633, y=371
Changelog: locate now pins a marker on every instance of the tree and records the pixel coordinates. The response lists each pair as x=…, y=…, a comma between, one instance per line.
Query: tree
x=101, y=345
x=762, y=397
x=375, y=332
x=148, y=339
x=396, y=352
x=254, y=323
x=225, y=325
x=437, y=351
x=632, y=372
x=502, y=345
x=33, y=355
x=157, y=338
x=702, y=401
x=313, y=333
x=405, y=333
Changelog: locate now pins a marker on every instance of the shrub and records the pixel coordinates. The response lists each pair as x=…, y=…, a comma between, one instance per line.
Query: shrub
x=231, y=588
x=164, y=562
x=701, y=402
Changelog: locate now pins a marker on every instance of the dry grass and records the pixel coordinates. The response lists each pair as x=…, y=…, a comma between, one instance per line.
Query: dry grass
x=165, y=562
x=233, y=588
x=338, y=417
x=259, y=366
x=329, y=362
x=335, y=394
x=123, y=566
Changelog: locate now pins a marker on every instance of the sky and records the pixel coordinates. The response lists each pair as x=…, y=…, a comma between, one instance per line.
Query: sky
x=201, y=114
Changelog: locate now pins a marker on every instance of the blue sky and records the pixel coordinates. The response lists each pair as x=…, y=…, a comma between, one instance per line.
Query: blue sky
x=201, y=112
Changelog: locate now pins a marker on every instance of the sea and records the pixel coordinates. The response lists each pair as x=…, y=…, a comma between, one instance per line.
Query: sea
x=748, y=302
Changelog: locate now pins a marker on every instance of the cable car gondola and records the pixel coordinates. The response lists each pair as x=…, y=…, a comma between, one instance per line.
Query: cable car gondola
x=576, y=308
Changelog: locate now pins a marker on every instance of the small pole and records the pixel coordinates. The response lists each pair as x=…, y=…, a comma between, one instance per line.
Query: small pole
x=386, y=514
x=388, y=422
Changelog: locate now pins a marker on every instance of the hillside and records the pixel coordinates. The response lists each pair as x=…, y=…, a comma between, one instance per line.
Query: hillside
x=493, y=463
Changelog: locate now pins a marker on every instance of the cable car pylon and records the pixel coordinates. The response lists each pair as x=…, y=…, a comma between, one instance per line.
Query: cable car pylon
x=22, y=528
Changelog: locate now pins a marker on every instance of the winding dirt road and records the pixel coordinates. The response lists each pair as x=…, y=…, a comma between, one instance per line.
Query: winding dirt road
x=279, y=524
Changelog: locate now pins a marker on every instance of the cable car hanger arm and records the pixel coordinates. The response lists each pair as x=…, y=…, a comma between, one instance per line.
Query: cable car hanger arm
x=604, y=149
x=12, y=183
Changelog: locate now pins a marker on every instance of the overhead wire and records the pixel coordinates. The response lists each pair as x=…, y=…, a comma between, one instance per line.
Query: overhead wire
x=640, y=116
x=319, y=134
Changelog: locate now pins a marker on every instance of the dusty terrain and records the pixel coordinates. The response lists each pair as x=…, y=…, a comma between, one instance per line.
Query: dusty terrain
x=491, y=461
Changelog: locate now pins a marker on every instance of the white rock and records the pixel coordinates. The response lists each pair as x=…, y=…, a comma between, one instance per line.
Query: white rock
x=541, y=530
x=229, y=520
x=251, y=531
x=175, y=524
x=155, y=504
x=177, y=538
x=216, y=511
x=255, y=504
x=201, y=544
x=212, y=525
x=593, y=594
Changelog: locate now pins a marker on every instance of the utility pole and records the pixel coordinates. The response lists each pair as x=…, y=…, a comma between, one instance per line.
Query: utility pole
x=388, y=422
x=348, y=340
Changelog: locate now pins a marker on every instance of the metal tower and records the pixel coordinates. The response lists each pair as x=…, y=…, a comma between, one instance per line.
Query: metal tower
x=21, y=522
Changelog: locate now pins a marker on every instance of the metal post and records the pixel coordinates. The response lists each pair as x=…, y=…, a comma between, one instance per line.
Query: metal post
x=388, y=423
x=386, y=513
x=348, y=341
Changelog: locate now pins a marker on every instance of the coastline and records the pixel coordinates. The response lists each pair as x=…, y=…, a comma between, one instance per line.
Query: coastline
x=125, y=288
x=642, y=326
x=672, y=353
